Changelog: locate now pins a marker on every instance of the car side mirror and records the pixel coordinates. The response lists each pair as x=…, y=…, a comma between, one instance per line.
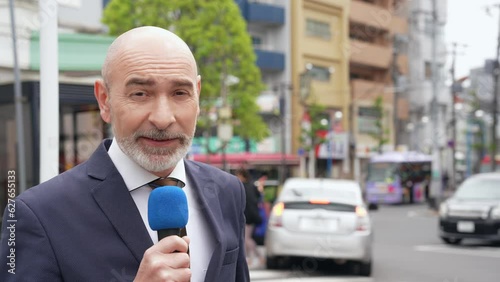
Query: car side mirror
x=372, y=207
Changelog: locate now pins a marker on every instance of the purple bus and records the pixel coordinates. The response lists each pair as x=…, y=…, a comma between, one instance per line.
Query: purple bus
x=398, y=177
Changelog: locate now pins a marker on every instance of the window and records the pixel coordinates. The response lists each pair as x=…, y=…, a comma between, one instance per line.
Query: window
x=320, y=73
x=367, y=118
x=256, y=41
x=318, y=29
x=428, y=70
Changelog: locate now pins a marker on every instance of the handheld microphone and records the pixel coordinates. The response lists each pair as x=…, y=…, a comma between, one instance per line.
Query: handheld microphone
x=167, y=210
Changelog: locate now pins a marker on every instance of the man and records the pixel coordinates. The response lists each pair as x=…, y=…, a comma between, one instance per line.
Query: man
x=90, y=223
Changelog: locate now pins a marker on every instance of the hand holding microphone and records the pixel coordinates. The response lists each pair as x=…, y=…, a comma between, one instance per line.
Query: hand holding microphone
x=167, y=260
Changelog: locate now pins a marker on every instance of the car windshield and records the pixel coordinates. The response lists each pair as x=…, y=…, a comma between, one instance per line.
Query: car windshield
x=477, y=188
x=342, y=195
x=381, y=172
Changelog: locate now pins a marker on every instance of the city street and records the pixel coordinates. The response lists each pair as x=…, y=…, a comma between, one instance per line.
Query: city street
x=407, y=249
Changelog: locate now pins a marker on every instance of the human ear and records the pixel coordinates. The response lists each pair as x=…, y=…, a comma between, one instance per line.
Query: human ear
x=102, y=97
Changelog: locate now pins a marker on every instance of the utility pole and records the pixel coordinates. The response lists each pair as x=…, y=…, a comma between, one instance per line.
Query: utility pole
x=395, y=78
x=21, y=156
x=496, y=74
x=282, y=113
x=453, y=115
x=436, y=189
x=453, y=90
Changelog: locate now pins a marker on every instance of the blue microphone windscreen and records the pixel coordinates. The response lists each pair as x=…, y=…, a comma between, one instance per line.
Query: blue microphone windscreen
x=167, y=208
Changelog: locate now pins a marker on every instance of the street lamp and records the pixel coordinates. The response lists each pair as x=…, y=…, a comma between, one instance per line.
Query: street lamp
x=224, y=132
x=225, y=126
x=331, y=143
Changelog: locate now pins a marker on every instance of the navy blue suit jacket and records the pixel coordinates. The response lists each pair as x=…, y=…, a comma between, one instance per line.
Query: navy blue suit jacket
x=83, y=225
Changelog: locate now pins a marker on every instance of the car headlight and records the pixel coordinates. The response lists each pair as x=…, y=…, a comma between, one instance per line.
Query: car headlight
x=495, y=213
x=443, y=210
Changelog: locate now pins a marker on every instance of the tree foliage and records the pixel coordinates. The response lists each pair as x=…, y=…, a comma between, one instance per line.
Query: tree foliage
x=381, y=135
x=309, y=138
x=216, y=33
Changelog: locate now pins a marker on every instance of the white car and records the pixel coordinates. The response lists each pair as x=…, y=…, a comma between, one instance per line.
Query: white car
x=320, y=218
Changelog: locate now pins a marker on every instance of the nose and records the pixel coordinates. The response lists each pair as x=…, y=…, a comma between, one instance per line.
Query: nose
x=162, y=113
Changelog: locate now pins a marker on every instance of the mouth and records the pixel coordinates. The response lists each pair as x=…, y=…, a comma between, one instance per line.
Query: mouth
x=159, y=141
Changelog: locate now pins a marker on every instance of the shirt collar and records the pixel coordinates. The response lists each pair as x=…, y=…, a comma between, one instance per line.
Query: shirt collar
x=133, y=174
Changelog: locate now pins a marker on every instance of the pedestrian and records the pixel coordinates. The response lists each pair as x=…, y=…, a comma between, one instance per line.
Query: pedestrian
x=90, y=223
x=252, y=216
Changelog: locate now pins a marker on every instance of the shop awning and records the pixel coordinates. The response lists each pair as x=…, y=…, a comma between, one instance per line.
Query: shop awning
x=249, y=159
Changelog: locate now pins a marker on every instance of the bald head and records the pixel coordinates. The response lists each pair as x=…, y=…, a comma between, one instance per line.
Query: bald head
x=144, y=39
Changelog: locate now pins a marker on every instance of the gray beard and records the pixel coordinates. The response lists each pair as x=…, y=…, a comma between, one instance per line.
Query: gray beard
x=155, y=159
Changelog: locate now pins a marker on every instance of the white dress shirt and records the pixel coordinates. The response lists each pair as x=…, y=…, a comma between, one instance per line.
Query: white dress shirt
x=136, y=178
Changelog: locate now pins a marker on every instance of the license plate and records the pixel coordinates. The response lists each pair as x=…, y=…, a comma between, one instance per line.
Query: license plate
x=318, y=224
x=465, y=226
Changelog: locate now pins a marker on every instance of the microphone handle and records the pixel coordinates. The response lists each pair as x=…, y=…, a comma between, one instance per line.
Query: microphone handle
x=162, y=233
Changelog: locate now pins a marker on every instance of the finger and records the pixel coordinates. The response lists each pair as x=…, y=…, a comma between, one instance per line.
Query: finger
x=175, y=260
x=183, y=274
x=171, y=244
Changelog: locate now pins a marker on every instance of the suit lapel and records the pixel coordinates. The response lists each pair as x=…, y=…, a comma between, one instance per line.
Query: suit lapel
x=206, y=191
x=114, y=199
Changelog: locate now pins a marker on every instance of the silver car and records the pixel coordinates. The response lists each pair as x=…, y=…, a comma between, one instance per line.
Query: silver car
x=473, y=211
x=320, y=218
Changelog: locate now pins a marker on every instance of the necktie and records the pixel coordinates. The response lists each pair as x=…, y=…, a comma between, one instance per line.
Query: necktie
x=169, y=181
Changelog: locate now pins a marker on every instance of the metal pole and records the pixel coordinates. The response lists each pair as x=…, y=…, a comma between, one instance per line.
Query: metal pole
x=49, y=91
x=436, y=165
x=496, y=74
x=21, y=155
x=395, y=75
x=224, y=160
x=282, y=134
x=453, y=118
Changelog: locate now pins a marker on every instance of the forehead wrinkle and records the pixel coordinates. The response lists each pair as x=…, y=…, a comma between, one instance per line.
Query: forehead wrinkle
x=133, y=41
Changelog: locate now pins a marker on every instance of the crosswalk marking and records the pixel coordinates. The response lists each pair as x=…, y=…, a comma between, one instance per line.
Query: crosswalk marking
x=457, y=250
x=291, y=276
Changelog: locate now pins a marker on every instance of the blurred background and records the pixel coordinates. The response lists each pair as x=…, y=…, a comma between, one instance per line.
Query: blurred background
x=302, y=88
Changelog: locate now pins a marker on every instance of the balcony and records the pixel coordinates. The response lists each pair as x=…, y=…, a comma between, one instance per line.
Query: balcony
x=370, y=15
x=366, y=90
x=270, y=61
x=368, y=54
x=262, y=12
x=399, y=25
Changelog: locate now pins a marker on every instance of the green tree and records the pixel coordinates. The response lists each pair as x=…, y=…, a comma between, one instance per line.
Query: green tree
x=381, y=134
x=309, y=138
x=216, y=33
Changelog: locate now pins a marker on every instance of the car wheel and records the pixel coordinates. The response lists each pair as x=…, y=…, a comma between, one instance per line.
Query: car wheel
x=362, y=268
x=272, y=263
x=365, y=268
x=451, y=241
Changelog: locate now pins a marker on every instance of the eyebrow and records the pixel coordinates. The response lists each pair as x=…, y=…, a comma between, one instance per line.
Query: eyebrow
x=181, y=82
x=140, y=81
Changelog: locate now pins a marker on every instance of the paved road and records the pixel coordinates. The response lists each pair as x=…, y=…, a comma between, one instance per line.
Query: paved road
x=406, y=249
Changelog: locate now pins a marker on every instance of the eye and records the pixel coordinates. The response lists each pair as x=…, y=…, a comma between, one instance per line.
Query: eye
x=180, y=93
x=139, y=94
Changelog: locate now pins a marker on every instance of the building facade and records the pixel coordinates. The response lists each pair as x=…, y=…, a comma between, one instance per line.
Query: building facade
x=376, y=27
x=320, y=76
x=422, y=128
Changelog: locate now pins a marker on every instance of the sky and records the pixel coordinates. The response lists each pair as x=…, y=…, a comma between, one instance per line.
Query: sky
x=468, y=23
